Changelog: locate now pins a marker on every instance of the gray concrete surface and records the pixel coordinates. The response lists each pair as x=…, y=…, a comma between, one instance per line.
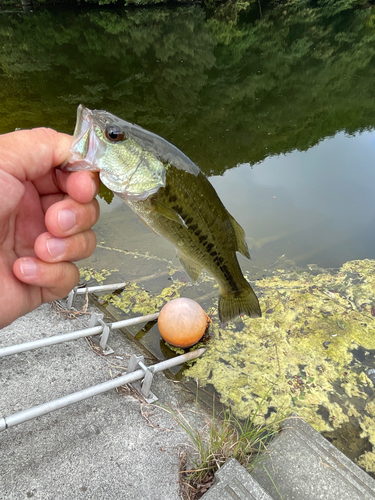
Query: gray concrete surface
x=303, y=465
x=300, y=464
x=111, y=446
x=233, y=481
x=116, y=447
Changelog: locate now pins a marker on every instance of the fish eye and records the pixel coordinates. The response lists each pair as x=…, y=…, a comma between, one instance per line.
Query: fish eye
x=114, y=133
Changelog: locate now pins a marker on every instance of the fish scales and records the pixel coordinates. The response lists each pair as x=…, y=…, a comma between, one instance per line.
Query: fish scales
x=207, y=227
x=172, y=196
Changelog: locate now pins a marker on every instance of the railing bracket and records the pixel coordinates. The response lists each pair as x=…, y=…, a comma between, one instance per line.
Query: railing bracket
x=95, y=320
x=142, y=387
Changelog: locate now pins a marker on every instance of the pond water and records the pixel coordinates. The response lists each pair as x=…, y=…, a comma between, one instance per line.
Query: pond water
x=278, y=111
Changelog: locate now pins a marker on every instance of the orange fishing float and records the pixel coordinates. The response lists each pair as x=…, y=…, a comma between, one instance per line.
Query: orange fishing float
x=182, y=322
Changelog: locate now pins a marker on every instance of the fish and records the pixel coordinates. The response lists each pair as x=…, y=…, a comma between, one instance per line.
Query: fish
x=172, y=196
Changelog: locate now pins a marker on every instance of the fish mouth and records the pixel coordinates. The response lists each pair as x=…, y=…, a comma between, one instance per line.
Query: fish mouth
x=86, y=147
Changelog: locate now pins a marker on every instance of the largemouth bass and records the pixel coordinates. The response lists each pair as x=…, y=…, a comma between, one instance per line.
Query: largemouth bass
x=172, y=196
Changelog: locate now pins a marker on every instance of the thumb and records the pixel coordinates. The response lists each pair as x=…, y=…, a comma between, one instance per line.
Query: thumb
x=42, y=149
x=11, y=192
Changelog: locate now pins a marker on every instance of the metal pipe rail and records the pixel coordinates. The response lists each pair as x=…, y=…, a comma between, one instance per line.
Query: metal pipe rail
x=99, y=288
x=37, y=411
x=87, y=332
x=90, y=289
x=136, y=368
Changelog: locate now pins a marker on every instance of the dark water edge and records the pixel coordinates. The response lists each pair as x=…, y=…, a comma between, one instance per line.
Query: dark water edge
x=210, y=5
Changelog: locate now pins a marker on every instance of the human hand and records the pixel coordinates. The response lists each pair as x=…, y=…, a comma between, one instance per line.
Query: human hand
x=46, y=217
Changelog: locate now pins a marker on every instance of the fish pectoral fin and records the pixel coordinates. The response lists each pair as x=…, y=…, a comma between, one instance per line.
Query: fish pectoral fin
x=167, y=212
x=240, y=238
x=191, y=267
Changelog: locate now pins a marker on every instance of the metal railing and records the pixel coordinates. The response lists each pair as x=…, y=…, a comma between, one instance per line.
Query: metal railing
x=143, y=372
x=87, y=332
x=135, y=372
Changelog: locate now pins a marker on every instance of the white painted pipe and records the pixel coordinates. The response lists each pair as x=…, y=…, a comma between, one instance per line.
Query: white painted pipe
x=87, y=332
x=99, y=288
x=37, y=411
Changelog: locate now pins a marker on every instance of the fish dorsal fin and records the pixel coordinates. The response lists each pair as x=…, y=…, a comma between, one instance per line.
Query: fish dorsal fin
x=192, y=268
x=240, y=238
x=167, y=212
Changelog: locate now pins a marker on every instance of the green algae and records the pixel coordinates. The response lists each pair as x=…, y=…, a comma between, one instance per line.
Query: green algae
x=300, y=356
x=136, y=299
x=302, y=348
x=89, y=273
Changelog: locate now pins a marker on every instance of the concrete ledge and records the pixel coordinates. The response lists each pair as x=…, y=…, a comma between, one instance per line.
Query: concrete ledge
x=233, y=481
x=305, y=466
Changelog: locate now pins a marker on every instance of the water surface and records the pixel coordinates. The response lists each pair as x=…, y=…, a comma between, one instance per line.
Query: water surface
x=278, y=110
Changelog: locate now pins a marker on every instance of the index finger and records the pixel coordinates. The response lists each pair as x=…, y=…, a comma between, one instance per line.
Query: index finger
x=30, y=154
x=81, y=186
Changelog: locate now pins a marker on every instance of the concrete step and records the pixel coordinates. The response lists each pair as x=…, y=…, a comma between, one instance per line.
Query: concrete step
x=303, y=465
x=233, y=482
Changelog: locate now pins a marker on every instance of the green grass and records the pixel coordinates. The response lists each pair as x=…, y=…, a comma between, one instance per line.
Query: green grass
x=220, y=438
x=274, y=485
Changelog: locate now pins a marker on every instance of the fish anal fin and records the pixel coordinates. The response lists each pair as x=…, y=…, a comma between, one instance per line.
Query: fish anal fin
x=192, y=268
x=167, y=212
x=240, y=238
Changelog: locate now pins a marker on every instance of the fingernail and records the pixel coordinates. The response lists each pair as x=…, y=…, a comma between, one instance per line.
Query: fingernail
x=66, y=219
x=56, y=247
x=28, y=267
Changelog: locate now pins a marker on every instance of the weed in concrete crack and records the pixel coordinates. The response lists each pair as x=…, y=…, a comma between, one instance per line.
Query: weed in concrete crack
x=221, y=438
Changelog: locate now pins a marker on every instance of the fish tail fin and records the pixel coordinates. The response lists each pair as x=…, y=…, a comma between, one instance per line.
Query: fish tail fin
x=233, y=304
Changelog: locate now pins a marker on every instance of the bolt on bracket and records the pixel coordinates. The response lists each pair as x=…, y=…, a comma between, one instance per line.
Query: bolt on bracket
x=144, y=387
